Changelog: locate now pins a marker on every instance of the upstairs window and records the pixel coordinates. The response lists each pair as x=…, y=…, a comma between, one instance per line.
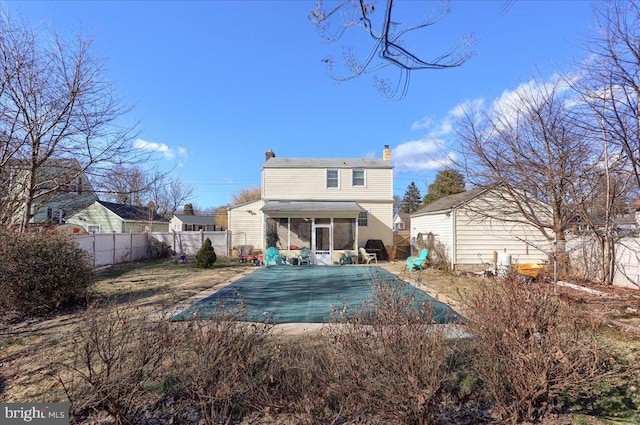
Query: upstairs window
x=363, y=219
x=357, y=178
x=333, y=181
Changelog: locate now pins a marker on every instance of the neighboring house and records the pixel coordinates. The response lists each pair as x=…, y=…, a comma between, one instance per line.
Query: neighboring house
x=469, y=237
x=330, y=205
x=402, y=222
x=62, y=189
x=191, y=223
x=109, y=217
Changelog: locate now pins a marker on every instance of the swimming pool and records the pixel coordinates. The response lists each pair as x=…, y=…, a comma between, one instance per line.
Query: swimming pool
x=310, y=294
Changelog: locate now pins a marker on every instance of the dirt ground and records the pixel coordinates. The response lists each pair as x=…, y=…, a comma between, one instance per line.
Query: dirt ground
x=28, y=347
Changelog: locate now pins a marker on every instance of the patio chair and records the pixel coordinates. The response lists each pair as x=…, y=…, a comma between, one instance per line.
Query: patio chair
x=304, y=257
x=346, y=259
x=272, y=256
x=368, y=256
x=417, y=262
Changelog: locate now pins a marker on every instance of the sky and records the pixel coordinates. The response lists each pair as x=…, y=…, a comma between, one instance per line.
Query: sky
x=215, y=84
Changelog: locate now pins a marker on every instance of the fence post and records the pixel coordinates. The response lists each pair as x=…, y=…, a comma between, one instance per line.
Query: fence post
x=94, y=249
x=131, y=247
x=114, y=248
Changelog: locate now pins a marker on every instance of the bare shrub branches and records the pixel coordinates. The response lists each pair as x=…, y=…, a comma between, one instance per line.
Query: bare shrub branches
x=531, y=347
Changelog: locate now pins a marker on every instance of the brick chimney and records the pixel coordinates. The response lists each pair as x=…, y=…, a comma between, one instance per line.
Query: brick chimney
x=269, y=154
x=386, y=153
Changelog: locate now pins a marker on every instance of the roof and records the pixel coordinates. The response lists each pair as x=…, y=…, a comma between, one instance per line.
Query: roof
x=450, y=202
x=317, y=208
x=195, y=219
x=131, y=212
x=327, y=163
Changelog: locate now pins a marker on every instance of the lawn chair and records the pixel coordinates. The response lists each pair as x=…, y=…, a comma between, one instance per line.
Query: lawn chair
x=304, y=257
x=416, y=262
x=368, y=256
x=272, y=256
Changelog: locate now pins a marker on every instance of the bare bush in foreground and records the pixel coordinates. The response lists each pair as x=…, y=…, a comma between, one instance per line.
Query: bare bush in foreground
x=389, y=361
x=531, y=347
x=114, y=355
x=220, y=364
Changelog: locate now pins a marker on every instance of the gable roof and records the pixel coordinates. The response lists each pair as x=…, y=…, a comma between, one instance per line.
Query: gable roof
x=131, y=212
x=450, y=202
x=195, y=219
x=327, y=163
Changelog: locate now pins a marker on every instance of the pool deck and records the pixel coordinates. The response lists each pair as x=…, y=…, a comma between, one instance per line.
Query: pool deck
x=284, y=329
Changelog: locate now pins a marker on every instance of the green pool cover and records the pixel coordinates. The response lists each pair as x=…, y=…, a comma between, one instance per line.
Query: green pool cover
x=310, y=294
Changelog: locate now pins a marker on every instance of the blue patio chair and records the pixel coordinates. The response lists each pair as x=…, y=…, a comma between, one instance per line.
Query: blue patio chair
x=417, y=262
x=272, y=256
x=304, y=257
x=346, y=259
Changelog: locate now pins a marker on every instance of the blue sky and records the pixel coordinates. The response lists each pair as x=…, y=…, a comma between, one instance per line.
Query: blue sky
x=214, y=84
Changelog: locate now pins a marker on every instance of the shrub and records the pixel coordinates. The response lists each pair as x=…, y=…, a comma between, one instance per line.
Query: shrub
x=206, y=256
x=42, y=273
x=531, y=348
x=389, y=361
x=114, y=356
x=220, y=365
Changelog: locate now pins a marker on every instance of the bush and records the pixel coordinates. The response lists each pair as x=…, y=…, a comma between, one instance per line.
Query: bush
x=42, y=273
x=115, y=356
x=206, y=256
x=389, y=361
x=220, y=366
x=531, y=348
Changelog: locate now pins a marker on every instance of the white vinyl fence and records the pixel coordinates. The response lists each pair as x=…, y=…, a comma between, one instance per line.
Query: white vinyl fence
x=114, y=248
x=188, y=243
x=584, y=254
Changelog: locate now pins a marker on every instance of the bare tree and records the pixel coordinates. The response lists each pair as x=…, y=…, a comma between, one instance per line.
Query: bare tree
x=246, y=195
x=390, y=41
x=54, y=104
x=124, y=185
x=611, y=82
x=136, y=186
x=535, y=150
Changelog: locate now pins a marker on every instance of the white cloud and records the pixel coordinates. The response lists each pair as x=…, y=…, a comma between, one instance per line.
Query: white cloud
x=163, y=149
x=420, y=155
x=421, y=123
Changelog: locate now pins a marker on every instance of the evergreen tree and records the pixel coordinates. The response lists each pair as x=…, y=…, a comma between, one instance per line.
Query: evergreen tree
x=448, y=182
x=412, y=200
x=206, y=256
x=188, y=209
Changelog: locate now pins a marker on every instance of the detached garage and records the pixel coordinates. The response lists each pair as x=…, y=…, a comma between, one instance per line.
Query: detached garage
x=469, y=233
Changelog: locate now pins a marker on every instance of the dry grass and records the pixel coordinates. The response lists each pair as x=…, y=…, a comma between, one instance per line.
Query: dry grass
x=281, y=377
x=29, y=347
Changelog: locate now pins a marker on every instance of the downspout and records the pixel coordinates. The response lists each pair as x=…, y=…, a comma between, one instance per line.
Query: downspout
x=454, y=253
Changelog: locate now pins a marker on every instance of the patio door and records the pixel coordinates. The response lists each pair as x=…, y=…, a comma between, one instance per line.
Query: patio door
x=322, y=244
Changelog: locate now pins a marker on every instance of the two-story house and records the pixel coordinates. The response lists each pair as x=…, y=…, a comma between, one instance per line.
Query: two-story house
x=59, y=189
x=329, y=205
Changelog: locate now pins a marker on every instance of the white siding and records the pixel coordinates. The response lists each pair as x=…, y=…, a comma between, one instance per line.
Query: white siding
x=246, y=223
x=310, y=184
x=380, y=223
x=438, y=224
x=478, y=237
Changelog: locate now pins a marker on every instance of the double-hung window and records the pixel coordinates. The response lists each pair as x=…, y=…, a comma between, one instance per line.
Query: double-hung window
x=333, y=180
x=358, y=178
x=363, y=219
